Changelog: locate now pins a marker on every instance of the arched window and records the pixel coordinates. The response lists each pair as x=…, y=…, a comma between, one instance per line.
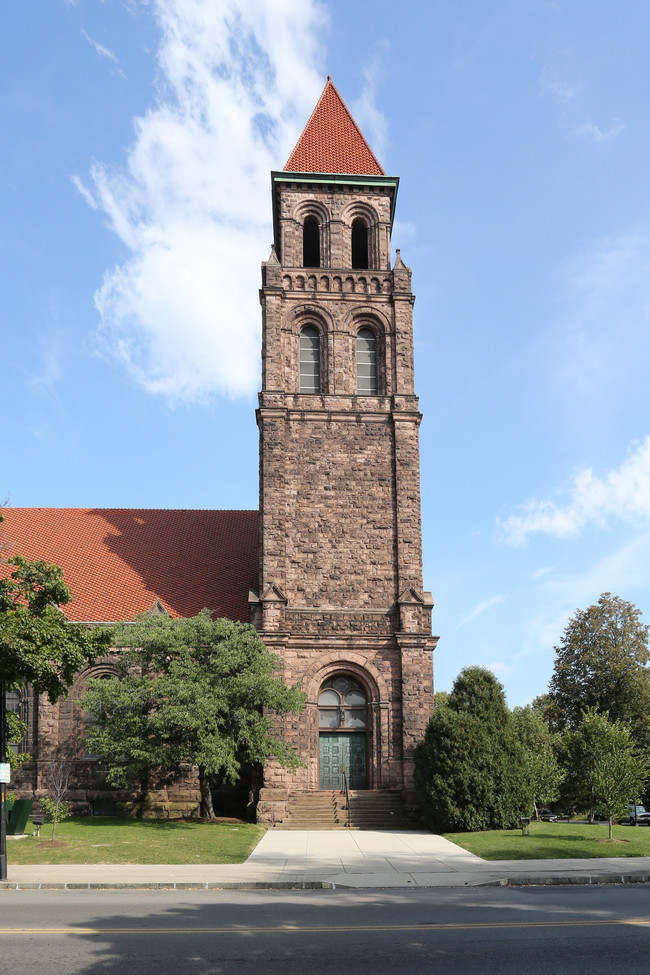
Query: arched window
x=342, y=704
x=13, y=701
x=359, y=245
x=89, y=721
x=310, y=243
x=366, y=362
x=309, y=360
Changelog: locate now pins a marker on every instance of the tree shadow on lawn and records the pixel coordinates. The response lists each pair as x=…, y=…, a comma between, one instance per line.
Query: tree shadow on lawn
x=139, y=824
x=548, y=847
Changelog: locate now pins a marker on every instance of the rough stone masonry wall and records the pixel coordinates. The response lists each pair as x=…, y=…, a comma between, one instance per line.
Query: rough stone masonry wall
x=329, y=494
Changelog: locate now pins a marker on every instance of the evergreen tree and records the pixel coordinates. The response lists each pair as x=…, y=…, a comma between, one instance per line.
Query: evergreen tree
x=470, y=769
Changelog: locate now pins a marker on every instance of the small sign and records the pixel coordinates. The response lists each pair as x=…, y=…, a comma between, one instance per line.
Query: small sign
x=5, y=772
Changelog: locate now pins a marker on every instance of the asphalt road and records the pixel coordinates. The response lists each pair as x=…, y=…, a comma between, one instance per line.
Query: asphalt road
x=563, y=930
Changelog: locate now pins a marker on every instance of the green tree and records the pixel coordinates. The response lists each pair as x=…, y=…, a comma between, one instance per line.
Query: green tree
x=189, y=692
x=55, y=805
x=38, y=646
x=470, y=768
x=604, y=770
x=601, y=663
x=543, y=769
x=15, y=731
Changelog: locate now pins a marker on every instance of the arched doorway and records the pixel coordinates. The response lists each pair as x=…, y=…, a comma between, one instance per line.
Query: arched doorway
x=342, y=719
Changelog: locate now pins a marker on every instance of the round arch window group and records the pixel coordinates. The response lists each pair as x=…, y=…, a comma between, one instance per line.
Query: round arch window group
x=310, y=361
x=360, y=248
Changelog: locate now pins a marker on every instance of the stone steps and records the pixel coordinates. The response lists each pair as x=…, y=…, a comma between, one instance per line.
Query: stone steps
x=326, y=810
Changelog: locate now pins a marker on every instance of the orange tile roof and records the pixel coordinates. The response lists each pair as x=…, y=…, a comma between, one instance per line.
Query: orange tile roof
x=332, y=141
x=117, y=561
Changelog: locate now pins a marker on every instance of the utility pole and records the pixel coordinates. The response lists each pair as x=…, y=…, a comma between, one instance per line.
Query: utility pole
x=3, y=785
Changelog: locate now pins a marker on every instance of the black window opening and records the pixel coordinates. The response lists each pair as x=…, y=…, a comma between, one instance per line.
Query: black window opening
x=359, y=245
x=310, y=360
x=342, y=705
x=366, y=362
x=310, y=243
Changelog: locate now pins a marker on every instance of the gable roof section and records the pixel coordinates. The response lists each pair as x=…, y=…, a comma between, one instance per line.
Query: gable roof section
x=332, y=141
x=118, y=561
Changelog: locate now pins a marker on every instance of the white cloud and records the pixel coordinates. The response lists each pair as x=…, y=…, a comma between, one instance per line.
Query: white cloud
x=624, y=571
x=87, y=195
x=623, y=494
x=480, y=608
x=596, y=134
x=104, y=53
x=46, y=364
x=540, y=573
x=551, y=84
x=499, y=667
x=192, y=204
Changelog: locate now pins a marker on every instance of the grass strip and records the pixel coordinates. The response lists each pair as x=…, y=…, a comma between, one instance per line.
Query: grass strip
x=556, y=841
x=111, y=840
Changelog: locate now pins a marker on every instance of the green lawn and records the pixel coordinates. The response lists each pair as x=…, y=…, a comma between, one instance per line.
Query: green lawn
x=556, y=841
x=110, y=840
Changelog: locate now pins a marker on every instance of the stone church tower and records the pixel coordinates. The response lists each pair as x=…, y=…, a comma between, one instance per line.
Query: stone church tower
x=340, y=595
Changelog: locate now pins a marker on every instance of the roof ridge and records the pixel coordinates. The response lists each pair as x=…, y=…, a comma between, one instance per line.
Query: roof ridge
x=11, y=508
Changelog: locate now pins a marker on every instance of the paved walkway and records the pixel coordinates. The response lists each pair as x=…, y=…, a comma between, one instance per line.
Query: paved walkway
x=333, y=859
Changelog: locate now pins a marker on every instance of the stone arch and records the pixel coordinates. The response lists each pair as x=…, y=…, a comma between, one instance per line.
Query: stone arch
x=356, y=665
x=72, y=717
x=361, y=669
x=104, y=667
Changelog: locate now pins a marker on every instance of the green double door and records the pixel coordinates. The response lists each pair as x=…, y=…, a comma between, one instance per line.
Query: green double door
x=340, y=753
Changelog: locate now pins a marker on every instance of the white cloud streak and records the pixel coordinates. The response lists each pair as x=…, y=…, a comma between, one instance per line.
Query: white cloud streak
x=100, y=49
x=192, y=203
x=623, y=494
x=625, y=570
x=480, y=608
x=556, y=87
x=591, y=131
x=105, y=53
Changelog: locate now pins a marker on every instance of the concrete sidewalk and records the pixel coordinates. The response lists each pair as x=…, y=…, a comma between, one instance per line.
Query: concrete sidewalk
x=338, y=859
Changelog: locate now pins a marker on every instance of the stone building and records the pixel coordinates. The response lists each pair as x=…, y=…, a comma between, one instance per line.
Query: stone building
x=335, y=587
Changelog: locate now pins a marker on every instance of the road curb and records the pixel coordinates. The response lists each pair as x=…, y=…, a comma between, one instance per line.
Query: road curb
x=190, y=885
x=530, y=881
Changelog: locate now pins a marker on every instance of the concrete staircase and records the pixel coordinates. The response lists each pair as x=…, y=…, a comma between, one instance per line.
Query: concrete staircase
x=326, y=810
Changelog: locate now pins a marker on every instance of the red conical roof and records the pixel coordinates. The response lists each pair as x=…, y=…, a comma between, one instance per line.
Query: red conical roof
x=332, y=142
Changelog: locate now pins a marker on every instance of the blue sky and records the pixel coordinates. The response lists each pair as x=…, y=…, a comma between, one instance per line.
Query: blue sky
x=134, y=185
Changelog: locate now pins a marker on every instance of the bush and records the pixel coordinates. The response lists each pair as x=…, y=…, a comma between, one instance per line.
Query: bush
x=470, y=769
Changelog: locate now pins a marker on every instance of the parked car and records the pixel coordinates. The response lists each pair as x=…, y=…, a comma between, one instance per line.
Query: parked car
x=547, y=816
x=642, y=817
